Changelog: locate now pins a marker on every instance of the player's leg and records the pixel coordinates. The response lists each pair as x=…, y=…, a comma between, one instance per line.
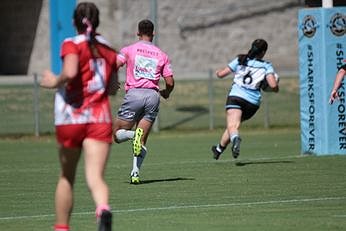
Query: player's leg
x=96, y=155
x=150, y=111
x=122, y=130
x=69, y=158
x=70, y=142
x=246, y=111
x=137, y=142
x=126, y=117
x=145, y=125
x=234, y=116
x=136, y=165
x=96, y=151
x=231, y=133
x=221, y=146
x=142, y=132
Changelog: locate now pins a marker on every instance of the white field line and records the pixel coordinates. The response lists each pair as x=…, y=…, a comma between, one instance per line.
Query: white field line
x=255, y=203
x=340, y=215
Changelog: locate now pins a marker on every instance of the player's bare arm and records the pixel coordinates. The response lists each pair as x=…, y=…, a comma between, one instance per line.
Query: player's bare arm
x=70, y=70
x=223, y=72
x=337, y=83
x=169, y=87
x=272, y=82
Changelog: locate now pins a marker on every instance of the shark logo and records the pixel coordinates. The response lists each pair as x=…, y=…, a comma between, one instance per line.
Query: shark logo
x=309, y=26
x=338, y=24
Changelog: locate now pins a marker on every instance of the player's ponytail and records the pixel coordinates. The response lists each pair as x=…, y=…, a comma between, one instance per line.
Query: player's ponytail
x=257, y=50
x=89, y=30
x=86, y=20
x=242, y=59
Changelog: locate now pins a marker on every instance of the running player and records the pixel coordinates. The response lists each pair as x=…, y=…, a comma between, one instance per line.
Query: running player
x=145, y=64
x=244, y=97
x=83, y=119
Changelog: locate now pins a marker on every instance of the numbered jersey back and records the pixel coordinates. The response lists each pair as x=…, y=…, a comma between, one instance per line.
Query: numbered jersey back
x=251, y=74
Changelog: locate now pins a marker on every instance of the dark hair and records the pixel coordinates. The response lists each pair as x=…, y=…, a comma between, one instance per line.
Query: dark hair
x=86, y=20
x=86, y=14
x=146, y=27
x=257, y=50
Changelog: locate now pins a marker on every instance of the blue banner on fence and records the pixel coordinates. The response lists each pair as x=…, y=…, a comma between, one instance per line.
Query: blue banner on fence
x=61, y=13
x=322, y=49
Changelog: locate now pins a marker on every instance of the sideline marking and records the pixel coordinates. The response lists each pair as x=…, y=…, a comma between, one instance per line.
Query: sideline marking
x=190, y=207
x=339, y=215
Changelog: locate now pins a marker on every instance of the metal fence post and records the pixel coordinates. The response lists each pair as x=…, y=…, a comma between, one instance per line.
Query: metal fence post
x=266, y=110
x=36, y=106
x=211, y=100
x=153, y=16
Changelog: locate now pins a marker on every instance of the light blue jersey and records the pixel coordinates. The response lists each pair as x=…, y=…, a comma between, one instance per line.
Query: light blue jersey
x=248, y=78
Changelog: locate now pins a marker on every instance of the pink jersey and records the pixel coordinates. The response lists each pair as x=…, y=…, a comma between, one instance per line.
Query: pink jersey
x=145, y=64
x=85, y=98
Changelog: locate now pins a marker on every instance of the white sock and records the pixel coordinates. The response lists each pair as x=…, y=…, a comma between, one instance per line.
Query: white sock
x=232, y=136
x=219, y=148
x=138, y=160
x=124, y=135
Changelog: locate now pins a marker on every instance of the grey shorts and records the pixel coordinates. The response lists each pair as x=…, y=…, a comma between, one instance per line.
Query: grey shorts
x=140, y=103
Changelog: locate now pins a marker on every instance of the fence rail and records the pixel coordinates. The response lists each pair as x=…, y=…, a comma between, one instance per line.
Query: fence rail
x=197, y=103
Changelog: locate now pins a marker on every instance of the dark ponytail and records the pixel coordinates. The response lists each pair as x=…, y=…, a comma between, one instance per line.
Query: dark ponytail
x=86, y=19
x=257, y=50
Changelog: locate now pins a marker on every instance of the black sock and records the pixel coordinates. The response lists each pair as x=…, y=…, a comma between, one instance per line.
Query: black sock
x=220, y=148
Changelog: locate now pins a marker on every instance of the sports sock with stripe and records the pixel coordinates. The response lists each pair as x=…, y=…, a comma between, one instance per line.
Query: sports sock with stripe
x=138, y=160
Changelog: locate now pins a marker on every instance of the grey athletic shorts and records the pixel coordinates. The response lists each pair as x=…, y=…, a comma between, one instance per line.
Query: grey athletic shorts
x=140, y=103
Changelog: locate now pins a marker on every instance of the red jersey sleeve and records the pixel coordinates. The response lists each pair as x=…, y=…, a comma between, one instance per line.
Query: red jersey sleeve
x=68, y=47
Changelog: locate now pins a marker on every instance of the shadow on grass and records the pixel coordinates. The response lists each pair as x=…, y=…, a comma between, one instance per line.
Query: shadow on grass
x=196, y=111
x=244, y=163
x=165, y=180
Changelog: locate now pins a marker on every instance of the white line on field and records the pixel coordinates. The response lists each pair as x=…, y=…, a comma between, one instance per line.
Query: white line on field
x=191, y=207
x=340, y=215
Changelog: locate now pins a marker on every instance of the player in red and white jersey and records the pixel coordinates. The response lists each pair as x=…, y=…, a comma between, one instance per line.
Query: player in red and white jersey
x=85, y=99
x=83, y=117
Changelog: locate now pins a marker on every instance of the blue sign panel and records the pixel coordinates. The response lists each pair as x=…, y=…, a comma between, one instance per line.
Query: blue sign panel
x=322, y=49
x=61, y=27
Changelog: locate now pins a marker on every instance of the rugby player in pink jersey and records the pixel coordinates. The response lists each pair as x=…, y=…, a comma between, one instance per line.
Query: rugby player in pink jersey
x=83, y=117
x=145, y=65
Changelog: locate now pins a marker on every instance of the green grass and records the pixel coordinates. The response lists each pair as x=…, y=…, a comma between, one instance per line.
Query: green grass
x=270, y=187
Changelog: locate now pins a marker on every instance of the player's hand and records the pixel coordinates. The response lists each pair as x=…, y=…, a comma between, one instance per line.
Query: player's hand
x=333, y=96
x=49, y=80
x=164, y=93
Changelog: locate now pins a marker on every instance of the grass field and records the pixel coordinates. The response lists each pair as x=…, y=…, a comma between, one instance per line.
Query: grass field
x=270, y=187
